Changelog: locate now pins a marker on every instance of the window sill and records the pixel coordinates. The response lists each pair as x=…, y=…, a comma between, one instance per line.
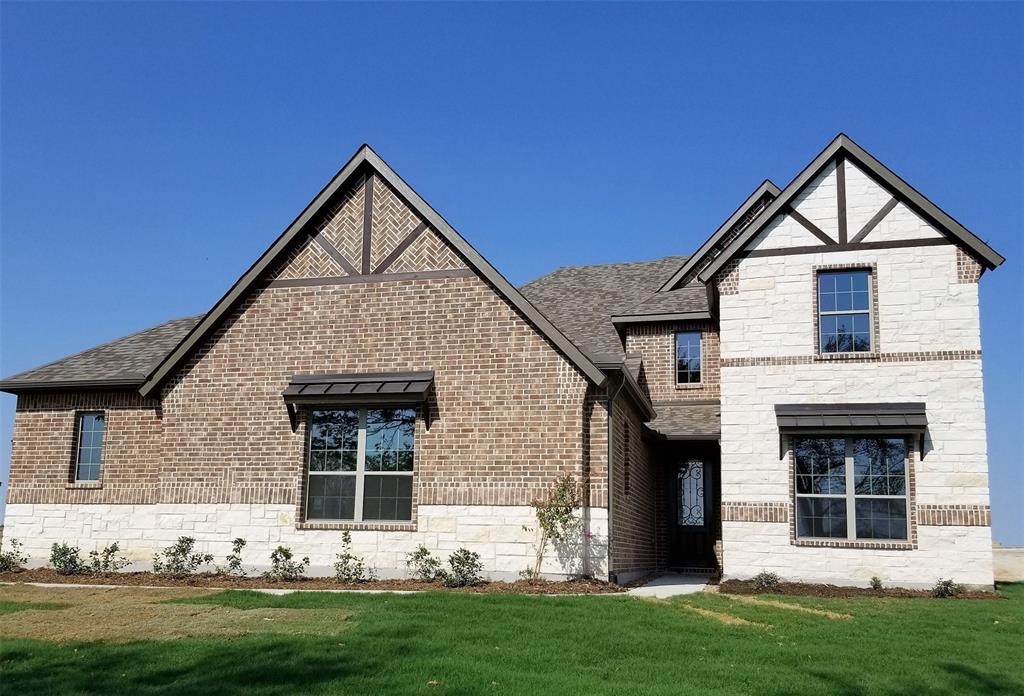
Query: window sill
x=865, y=357
x=358, y=526
x=690, y=385
x=84, y=485
x=901, y=545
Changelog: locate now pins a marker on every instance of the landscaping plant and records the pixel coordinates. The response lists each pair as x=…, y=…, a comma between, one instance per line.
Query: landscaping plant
x=424, y=566
x=283, y=567
x=556, y=517
x=876, y=583
x=178, y=561
x=350, y=567
x=466, y=569
x=944, y=589
x=766, y=582
x=107, y=560
x=234, y=559
x=65, y=559
x=14, y=559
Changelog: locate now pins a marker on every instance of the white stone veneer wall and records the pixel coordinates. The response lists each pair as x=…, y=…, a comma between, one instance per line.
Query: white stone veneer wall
x=921, y=308
x=495, y=532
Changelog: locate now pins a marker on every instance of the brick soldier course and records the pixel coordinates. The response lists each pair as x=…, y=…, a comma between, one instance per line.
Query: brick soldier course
x=574, y=373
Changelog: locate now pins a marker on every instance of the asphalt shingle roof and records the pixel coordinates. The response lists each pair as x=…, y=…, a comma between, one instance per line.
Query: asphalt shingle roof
x=685, y=421
x=581, y=300
x=123, y=361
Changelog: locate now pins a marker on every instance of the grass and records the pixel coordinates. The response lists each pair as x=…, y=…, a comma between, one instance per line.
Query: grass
x=451, y=643
x=10, y=607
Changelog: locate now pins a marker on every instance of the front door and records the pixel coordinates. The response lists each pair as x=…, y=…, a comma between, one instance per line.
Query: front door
x=692, y=543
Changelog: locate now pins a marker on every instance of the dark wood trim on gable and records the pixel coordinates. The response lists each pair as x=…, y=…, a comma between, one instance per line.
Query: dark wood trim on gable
x=875, y=219
x=335, y=254
x=369, y=278
x=402, y=246
x=850, y=246
x=841, y=197
x=367, y=222
x=809, y=226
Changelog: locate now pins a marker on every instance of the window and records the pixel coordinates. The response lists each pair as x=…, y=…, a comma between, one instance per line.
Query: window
x=688, y=357
x=625, y=457
x=844, y=311
x=361, y=464
x=89, y=453
x=851, y=488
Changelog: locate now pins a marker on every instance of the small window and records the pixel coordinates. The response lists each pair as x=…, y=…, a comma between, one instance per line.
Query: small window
x=688, y=357
x=361, y=464
x=626, y=456
x=89, y=455
x=851, y=488
x=844, y=311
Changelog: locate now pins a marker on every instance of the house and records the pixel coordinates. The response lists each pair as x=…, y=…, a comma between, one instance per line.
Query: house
x=801, y=395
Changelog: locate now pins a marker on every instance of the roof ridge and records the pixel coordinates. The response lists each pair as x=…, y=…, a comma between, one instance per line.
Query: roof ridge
x=14, y=377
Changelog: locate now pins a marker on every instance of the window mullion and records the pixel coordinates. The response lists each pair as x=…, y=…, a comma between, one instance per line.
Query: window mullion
x=851, y=507
x=360, y=465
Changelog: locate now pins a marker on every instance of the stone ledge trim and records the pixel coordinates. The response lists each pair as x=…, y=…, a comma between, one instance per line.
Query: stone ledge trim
x=846, y=544
x=755, y=512
x=955, y=515
x=358, y=526
x=922, y=356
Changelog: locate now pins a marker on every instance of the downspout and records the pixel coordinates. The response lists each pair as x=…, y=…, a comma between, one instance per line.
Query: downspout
x=611, y=497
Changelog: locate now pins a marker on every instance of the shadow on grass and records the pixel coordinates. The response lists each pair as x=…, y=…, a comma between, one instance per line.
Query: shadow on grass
x=962, y=679
x=227, y=667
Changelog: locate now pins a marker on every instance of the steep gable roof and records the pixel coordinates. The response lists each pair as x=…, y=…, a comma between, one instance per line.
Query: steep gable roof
x=366, y=157
x=123, y=363
x=844, y=147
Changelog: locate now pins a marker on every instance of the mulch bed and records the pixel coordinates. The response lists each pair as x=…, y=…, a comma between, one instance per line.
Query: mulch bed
x=746, y=587
x=547, y=587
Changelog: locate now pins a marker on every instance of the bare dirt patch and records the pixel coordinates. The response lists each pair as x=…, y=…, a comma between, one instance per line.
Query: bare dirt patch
x=746, y=587
x=727, y=619
x=48, y=575
x=746, y=599
x=123, y=615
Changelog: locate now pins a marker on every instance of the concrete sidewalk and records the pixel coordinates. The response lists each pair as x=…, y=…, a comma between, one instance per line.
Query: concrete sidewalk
x=671, y=585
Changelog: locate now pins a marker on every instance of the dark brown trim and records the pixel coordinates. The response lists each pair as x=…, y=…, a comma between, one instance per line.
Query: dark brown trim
x=402, y=246
x=370, y=278
x=367, y=221
x=841, y=197
x=809, y=226
x=18, y=386
x=851, y=246
x=875, y=219
x=333, y=252
x=667, y=316
x=688, y=402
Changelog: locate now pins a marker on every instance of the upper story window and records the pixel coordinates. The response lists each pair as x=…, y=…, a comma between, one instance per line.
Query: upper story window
x=844, y=311
x=361, y=464
x=89, y=454
x=852, y=488
x=688, y=357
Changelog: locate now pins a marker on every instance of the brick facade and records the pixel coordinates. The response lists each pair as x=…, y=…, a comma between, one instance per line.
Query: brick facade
x=635, y=512
x=656, y=343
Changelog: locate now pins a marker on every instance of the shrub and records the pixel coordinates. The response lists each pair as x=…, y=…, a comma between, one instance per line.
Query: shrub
x=65, y=559
x=766, y=582
x=424, y=566
x=945, y=589
x=283, y=568
x=178, y=561
x=350, y=567
x=234, y=559
x=106, y=561
x=465, y=569
x=14, y=559
x=876, y=583
x=556, y=517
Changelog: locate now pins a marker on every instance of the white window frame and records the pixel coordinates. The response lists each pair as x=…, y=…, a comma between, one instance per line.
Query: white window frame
x=870, y=311
x=79, y=422
x=851, y=495
x=675, y=358
x=360, y=473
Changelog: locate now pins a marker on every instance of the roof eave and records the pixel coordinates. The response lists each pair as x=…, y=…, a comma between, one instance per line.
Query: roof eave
x=659, y=317
x=21, y=386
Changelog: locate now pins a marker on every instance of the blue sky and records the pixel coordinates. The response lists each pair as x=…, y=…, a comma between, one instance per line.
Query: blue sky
x=151, y=151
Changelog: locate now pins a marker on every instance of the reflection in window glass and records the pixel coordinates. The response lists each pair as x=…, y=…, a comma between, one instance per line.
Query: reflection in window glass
x=91, y=427
x=844, y=311
x=688, y=357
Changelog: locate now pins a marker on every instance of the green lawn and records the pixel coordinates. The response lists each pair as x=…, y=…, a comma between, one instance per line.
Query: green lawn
x=453, y=643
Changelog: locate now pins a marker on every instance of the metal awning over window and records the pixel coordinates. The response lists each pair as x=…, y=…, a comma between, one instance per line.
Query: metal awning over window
x=877, y=418
x=367, y=389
